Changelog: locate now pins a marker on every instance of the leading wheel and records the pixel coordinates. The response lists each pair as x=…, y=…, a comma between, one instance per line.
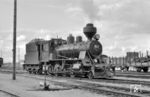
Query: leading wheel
x=145, y=69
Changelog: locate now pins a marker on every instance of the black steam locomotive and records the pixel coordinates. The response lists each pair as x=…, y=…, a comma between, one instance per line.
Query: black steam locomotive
x=61, y=57
x=1, y=62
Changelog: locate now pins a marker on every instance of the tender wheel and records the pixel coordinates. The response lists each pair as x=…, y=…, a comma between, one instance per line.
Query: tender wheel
x=56, y=74
x=34, y=71
x=64, y=75
x=30, y=71
x=90, y=75
x=72, y=75
x=39, y=71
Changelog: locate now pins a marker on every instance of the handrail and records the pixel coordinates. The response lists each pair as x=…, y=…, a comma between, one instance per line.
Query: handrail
x=90, y=58
x=63, y=56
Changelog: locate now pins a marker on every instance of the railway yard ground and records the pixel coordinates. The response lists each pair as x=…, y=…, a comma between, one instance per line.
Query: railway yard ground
x=123, y=84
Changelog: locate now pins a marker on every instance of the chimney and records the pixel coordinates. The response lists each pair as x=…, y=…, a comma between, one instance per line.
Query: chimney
x=89, y=31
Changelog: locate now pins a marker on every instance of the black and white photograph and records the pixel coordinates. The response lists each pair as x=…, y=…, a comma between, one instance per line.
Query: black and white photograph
x=74, y=48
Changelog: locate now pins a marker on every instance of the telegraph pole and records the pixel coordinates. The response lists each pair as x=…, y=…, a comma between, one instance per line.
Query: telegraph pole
x=14, y=40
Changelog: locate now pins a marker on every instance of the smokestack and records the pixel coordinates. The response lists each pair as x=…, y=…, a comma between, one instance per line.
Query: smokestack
x=89, y=31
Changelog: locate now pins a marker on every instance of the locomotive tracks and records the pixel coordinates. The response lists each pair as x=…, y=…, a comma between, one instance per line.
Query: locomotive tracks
x=121, y=80
x=133, y=74
x=116, y=87
x=96, y=85
x=6, y=94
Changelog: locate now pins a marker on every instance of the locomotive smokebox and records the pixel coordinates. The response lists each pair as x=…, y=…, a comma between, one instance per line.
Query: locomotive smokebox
x=89, y=31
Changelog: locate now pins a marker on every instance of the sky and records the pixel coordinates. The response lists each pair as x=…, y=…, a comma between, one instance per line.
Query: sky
x=123, y=25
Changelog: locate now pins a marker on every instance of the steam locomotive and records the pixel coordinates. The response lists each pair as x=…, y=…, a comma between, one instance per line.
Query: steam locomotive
x=1, y=62
x=68, y=58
